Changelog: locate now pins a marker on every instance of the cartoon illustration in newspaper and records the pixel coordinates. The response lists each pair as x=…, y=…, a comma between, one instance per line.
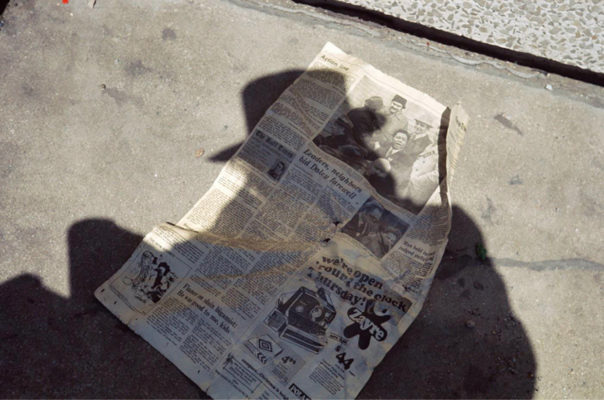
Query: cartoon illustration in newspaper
x=148, y=277
x=153, y=279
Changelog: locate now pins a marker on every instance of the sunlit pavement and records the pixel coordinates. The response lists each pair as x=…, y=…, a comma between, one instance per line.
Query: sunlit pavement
x=117, y=118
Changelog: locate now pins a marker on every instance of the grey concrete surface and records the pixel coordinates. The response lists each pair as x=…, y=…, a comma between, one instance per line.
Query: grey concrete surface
x=103, y=114
x=566, y=31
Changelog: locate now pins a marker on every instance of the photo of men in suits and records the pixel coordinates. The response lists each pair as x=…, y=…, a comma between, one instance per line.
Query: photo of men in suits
x=381, y=142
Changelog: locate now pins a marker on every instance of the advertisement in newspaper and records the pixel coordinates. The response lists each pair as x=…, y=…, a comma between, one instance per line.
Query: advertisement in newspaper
x=327, y=328
x=313, y=250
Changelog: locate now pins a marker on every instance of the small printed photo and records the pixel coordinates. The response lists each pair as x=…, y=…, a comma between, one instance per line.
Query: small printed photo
x=277, y=170
x=376, y=228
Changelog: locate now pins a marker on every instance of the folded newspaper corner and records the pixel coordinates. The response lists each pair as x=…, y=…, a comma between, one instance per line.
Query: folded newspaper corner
x=314, y=249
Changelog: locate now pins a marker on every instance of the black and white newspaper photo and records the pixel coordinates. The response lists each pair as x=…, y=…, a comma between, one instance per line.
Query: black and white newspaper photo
x=389, y=139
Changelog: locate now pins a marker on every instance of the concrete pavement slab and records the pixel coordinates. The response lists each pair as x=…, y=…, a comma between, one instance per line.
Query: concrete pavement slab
x=105, y=115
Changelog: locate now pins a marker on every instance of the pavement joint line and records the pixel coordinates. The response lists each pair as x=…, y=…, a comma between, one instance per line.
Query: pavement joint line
x=549, y=265
x=562, y=85
x=312, y=13
x=461, y=42
x=359, y=24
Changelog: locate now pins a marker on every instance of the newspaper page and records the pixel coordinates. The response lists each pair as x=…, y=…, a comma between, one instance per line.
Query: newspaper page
x=314, y=249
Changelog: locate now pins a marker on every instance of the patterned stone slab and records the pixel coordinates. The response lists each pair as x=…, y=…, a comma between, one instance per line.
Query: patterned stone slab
x=567, y=31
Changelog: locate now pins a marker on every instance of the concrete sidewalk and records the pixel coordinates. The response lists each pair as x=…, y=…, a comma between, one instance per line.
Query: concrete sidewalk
x=105, y=113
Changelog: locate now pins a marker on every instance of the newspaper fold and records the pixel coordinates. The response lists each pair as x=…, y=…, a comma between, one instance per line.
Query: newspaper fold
x=315, y=247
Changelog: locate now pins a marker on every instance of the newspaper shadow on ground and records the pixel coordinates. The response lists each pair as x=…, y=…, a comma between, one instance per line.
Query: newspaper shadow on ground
x=465, y=343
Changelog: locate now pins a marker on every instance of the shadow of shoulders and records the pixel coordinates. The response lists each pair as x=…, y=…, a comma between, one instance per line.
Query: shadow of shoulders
x=71, y=347
x=466, y=342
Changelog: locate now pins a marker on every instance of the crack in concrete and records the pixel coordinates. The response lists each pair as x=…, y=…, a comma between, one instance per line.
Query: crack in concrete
x=505, y=121
x=550, y=265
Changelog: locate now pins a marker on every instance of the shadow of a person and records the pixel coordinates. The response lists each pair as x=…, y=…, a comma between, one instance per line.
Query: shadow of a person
x=57, y=347
x=465, y=343
x=3, y=4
